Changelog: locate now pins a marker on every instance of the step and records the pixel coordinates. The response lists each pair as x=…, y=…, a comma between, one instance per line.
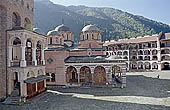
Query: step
x=12, y=100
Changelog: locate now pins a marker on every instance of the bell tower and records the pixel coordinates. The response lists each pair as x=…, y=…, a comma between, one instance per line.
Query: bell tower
x=13, y=13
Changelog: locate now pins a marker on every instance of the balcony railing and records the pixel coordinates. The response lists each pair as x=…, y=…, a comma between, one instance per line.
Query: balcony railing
x=15, y=64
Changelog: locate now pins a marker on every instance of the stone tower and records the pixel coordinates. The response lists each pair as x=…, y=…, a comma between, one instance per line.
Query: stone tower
x=13, y=14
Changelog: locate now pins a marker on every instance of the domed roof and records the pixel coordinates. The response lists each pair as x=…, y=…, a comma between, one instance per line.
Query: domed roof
x=90, y=28
x=53, y=32
x=62, y=28
x=37, y=30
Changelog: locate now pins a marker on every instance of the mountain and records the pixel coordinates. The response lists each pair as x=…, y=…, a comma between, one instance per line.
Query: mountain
x=112, y=22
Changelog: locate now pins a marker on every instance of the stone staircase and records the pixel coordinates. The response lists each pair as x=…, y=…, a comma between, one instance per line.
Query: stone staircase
x=13, y=99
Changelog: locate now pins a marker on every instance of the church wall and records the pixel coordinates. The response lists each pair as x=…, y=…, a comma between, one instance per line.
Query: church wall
x=56, y=66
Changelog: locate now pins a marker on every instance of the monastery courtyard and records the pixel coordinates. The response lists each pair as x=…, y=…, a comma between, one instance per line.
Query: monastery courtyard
x=144, y=92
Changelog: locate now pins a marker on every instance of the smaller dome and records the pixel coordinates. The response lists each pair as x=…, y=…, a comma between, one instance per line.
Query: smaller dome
x=53, y=32
x=62, y=28
x=90, y=28
x=37, y=30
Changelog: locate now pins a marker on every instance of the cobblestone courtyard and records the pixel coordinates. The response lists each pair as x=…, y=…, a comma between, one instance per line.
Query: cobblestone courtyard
x=144, y=92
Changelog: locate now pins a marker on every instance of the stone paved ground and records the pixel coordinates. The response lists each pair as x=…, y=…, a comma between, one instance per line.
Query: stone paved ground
x=143, y=92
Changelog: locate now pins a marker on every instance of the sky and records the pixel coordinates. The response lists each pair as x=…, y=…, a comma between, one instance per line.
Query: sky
x=158, y=10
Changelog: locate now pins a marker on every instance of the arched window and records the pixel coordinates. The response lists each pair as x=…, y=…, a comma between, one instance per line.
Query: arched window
x=51, y=40
x=22, y=2
x=28, y=6
x=67, y=37
x=83, y=37
x=27, y=24
x=61, y=41
x=87, y=37
x=16, y=52
x=16, y=20
x=52, y=77
x=28, y=52
x=93, y=36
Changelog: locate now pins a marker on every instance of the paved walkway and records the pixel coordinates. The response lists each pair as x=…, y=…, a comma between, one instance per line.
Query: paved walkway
x=144, y=92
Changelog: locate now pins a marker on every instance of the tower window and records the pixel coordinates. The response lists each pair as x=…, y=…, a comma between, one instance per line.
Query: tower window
x=87, y=36
x=16, y=19
x=28, y=6
x=83, y=37
x=93, y=36
x=51, y=40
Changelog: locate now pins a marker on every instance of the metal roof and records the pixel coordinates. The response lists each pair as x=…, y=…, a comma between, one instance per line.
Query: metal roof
x=92, y=59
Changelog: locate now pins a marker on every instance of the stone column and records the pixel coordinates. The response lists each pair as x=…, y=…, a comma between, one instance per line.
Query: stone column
x=159, y=66
x=23, y=61
x=34, y=55
x=42, y=57
x=23, y=89
x=10, y=55
x=78, y=72
x=123, y=78
x=92, y=73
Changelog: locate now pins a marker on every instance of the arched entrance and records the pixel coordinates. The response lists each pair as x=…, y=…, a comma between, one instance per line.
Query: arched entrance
x=16, y=85
x=140, y=65
x=147, y=65
x=85, y=75
x=166, y=66
x=116, y=73
x=116, y=70
x=99, y=74
x=71, y=75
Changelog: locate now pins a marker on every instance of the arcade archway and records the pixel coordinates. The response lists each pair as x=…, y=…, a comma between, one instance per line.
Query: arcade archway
x=71, y=75
x=166, y=66
x=99, y=74
x=85, y=75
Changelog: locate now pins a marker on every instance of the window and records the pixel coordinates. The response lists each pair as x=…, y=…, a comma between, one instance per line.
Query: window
x=52, y=77
x=28, y=6
x=16, y=20
x=93, y=36
x=51, y=40
x=87, y=37
x=83, y=37
x=67, y=37
x=27, y=24
x=22, y=2
x=61, y=41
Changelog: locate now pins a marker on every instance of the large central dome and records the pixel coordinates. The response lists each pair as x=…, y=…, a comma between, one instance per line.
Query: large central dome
x=62, y=28
x=90, y=28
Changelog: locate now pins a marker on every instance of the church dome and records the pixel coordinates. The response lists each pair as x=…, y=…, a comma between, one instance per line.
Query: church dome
x=53, y=32
x=62, y=28
x=90, y=28
x=37, y=30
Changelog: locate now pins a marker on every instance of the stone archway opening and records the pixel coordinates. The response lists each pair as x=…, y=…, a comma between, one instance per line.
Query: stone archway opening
x=16, y=19
x=28, y=52
x=16, y=52
x=116, y=73
x=99, y=75
x=147, y=65
x=85, y=75
x=71, y=75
